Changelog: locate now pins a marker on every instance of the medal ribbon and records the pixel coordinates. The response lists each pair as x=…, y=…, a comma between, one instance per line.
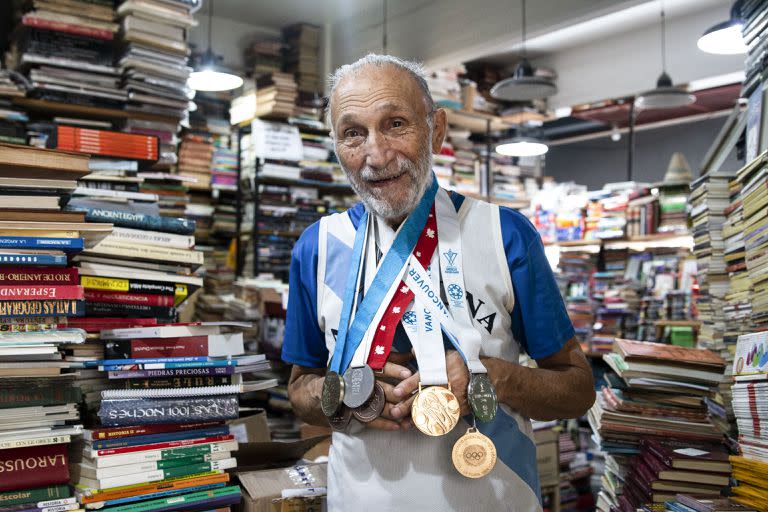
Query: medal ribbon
x=384, y=335
x=350, y=336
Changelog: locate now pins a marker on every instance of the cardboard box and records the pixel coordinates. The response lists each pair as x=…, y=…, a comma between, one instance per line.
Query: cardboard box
x=275, y=480
x=252, y=428
x=547, y=457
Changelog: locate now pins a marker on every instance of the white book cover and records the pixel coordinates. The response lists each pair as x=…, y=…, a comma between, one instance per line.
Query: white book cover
x=88, y=471
x=152, y=238
x=122, y=459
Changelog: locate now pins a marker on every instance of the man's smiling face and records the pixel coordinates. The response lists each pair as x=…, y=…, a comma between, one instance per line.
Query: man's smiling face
x=383, y=139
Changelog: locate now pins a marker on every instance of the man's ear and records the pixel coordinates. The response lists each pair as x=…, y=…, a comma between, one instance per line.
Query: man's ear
x=439, y=129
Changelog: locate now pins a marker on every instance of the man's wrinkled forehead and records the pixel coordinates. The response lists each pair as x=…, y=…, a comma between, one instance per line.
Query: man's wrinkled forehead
x=376, y=83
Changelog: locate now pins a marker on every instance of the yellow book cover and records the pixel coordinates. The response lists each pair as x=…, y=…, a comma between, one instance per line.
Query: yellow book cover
x=104, y=283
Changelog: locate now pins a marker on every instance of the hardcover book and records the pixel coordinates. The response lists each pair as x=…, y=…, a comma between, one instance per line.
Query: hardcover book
x=34, y=466
x=132, y=411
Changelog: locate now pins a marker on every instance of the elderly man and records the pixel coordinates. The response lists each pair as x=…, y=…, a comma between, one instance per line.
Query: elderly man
x=407, y=314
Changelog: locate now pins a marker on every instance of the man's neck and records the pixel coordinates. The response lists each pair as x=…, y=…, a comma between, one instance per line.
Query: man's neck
x=394, y=223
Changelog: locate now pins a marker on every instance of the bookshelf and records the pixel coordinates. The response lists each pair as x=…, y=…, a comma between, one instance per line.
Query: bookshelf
x=53, y=107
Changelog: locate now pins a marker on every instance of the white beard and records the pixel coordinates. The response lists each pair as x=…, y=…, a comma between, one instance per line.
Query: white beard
x=421, y=176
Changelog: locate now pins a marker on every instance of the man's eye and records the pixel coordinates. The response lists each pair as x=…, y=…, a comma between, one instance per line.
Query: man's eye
x=351, y=133
x=398, y=123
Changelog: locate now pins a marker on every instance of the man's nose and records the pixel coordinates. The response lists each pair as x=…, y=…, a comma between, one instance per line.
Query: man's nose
x=378, y=151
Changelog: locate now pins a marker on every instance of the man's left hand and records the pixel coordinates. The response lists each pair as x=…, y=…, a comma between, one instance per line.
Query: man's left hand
x=458, y=378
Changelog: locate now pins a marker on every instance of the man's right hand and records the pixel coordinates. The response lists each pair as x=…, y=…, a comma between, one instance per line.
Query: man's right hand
x=392, y=375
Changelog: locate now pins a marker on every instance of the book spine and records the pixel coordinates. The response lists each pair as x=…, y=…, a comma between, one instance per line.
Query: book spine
x=171, y=373
x=117, y=284
x=166, y=366
x=43, y=276
x=34, y=466
x=136, y=457
x=134, y=250
x=30, y=242
x=139, y=310
x=37, y=396
x=121, y=432
x=35, y=441
x=159, y=438
x=160, y=450
x=40, y=505
x=134, y=411
x=179, y=382
x=205, y=500
x=56, y=508
x=137, y=220
x=156, y=465
x=34, y=495
x=148, y=491
x=67, y=28
x=162, y=474
x=166, y=493
x=158, y=347
x=33, y=259
x=146, y=360
x=40, y=292
x=152, y=238
x=24, y=308
x=111, y=297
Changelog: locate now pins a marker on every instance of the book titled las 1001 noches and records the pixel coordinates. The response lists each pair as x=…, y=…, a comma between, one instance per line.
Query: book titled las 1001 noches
x=140, y=411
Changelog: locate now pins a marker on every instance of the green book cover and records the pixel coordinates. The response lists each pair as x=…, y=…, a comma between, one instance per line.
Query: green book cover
x=188, y=451
x=189, y=499
x=34, y=495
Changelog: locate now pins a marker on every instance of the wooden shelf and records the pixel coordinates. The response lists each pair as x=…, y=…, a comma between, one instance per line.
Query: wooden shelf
x=54, y=107
x=476, y=122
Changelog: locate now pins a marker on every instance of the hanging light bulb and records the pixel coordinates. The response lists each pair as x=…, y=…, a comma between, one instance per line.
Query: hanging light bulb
x=209, y=76
x=665, y=95
x=725, y=38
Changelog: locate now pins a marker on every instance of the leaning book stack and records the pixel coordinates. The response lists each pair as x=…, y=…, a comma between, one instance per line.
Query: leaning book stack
x=39, y=293
x=655, y=394
x=162, y=443
x=750, y=390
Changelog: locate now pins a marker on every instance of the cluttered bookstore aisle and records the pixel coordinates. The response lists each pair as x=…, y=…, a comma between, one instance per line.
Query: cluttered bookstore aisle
x=160, y=159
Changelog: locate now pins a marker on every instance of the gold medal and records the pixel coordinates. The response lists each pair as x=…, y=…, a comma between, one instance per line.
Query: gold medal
x=474, y=454
x=435, y=410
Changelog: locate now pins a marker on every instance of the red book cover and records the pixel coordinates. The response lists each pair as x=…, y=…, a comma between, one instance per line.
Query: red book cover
x=142, y=430
x=92, y=324
x=32, y=292
x=163, y=446
x=38, y=275
x=57, y=26
x=104, y=142
x=128, y=298
x=33, y=466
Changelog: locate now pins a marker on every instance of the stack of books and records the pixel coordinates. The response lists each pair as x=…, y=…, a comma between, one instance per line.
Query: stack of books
x=655, y=391
x=39, y=293
x=223, y=167
x=642, y=213
x=195, y=158
x=8, y=86
x=738, y=308
x=154, y=65
x=750, y=373
x=163, y=440
x=65, y=49
x=172, y=191
x=754, y=33
x=301, y=56
x=466, y=167
x=709, y=198
x=576, y=268
x=265, y=56
x=754, y=196
x=697, y=503
x=445, y=87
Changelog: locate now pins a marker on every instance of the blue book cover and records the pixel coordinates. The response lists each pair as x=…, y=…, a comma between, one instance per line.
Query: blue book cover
x=55, y=260
x=136, y=220
x=32, y=242
x=163, y=494
x=105, y=444
x=147, y=360
x=164, y=366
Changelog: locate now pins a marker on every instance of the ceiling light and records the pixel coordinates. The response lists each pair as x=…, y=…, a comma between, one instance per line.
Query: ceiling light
x=523, y=85
x=522, y=147
x=208, y=75
x=725, y=38
x=664, y=95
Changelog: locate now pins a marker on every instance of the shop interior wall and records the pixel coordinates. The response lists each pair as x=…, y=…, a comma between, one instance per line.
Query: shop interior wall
x=599, y=161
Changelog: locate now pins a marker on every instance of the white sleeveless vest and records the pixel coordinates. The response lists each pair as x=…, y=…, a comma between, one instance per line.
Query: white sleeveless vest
x=382, y=471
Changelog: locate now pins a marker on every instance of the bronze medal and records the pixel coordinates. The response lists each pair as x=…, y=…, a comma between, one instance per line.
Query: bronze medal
x=333, y=393
x=435, y=410
x=371, y=409
x=341, y=419
x=474, y=454
x=482, y=397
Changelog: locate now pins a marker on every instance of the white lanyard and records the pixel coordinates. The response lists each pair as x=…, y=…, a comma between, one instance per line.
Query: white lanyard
x=428, y=343
x=455, y=318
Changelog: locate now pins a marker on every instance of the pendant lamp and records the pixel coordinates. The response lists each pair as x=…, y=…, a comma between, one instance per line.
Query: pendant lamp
x=665, y=95
x=725, y=38
x=522, y=147
x=523, y=85
x=209, y=76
